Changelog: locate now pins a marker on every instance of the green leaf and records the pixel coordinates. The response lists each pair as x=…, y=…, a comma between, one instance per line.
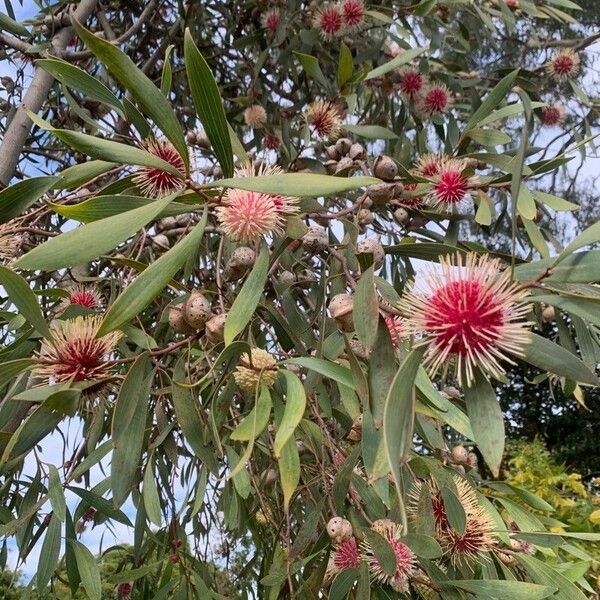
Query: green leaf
x=554, y=202
x=402, y=59
x=11, y=368
x=382, y=370
x=146, y=94
x=488, y=137
x=342, y=584
x=17, y=198
x=326, y=368
x=424, y=546
x=50, y=553
x=547, y=575
x=296, y=184
x=289, y=470
x=85, y=243
x=245, y=303
x=22, y=296
x=548, y=356
x=207, y=100
x=88, y=570
x=486, y=419
x=151, y=497
x=371, y=132
x=128, y=428
x=526, y=203
x=151, y=281
x=508, y=111
x=580, y=267
x=398, y=418
x=292, y=414
x=345, y=66
x=254, y=423
x=492, y=100
x=56, y=493
x=8, y=24
x=78, y=79
x=105, y=507
x=500, y=590
x=311, y=65
x=382, y=550
x=241, y=479
x=455, y=511
x=586, y=237
x=76, y=175
x=366, y=309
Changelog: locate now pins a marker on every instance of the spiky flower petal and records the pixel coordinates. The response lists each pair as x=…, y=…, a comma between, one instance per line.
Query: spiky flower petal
x=470, y=311
x=84, y=295
x=255, y=116
x=435, y=99
x=429, y=165
x=353, y=13
x=75, y=353
x=245, y=216
x=396, y=329
x=259, y=366
x=329, y=20
x=155, y=182
x=564, y=64
x=325, y=118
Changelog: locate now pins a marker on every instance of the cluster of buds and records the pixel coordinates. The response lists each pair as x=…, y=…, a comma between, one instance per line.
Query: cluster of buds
x=194, y=315
x=258, y=366
x=344, y=156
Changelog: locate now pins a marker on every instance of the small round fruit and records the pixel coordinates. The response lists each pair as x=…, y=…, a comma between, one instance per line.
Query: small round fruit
x=197, y=309
x=373, y=247
x=385, y=168
x=339, y=530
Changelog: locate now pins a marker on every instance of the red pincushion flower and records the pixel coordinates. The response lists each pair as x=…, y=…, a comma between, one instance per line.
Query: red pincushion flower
x=346, y=555
x=324, y=118
x=271, y=20
x=411, y=82
x=554, y=114
x=429, y=165
x=564, y=64
x=271, y=141
x=330, y=21
x=451, y=185
x=353, y=12
x=470, y=311
x=84, y=296
x=436, y=99
x=394, y=325
x=155, y=182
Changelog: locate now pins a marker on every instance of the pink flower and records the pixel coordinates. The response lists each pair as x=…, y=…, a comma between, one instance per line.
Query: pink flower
x=411, y=82
x=155, y=182
x=554, y=114
x=75, y=353
x=451, y=185
x=245, y=215
x=469, y=311
x=394, y=325
x=564, y=64
x=435, y=99
x=270, y=20
x=330, y=21
x=85, y=296
x=325, y=118
x=271, y=141
x=353, y=12
x=429, y=165
x=255, y=116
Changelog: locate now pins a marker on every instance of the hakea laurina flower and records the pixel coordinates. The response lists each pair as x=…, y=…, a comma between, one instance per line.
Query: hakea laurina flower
x=353, y=13
x=84, y=295
x=429, y=165
x=411, y=82
x=478, y=536
x=10, y=244
x=245, y=216
x=345, y=555
x=396, y=329
x=255, y=116
x=405, y=559
x=329, y=20
x=470, y=311
x=325, y=118
x=435, y=99
x=155, y=182
x=451, y=185
x=259, y=366
x=75, y=353
x=271, y=141
x=564, y=65
x=410, y=200
x=271, y=20
x=553, y=114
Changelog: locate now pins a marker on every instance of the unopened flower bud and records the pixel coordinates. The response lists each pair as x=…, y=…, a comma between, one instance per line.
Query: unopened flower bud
x=459, y=454
x=548, y=314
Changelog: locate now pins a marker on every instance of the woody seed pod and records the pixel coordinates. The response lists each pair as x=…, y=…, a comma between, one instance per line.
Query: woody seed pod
x=459, y=454
x=239, y=263
x=364, y=216
x=401, y=215
x=177, y=320
x=215, y=328
x=161, y=240
x=356, y=152
x=197, y=310
x=343, y=146
x=340, y=309
x=548, y=314
x=315, y=240
x=339, y=530
x=355, y=433
x=385, y=168
x=332, y=153
x=373, y=247
x=381, y=193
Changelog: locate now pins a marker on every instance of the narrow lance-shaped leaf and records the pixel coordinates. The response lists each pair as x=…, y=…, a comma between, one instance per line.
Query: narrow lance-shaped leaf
x=366, y=309
x=150, y=282
x=293, y=412
x=289, y=470
x=17, y=198
x=49, y=554
x=88, y=570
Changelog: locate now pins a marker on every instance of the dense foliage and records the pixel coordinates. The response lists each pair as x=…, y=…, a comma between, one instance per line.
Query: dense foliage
x=270, y=273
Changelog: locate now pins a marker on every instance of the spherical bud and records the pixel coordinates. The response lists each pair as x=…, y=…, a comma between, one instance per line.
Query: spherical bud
x=315, y=240
x=332, y=153
x=373, y=247
x=161, y=241
x=259, y=366
x=239, y=263
x=364, y=216
x=215, y=328
x=255, y=116
x=381, y=193
x=355, y=433
x=401, y=215
x=472, y=460
x=339, y=530
x=356, y=152
x=385, y=168
x=260, y=517
x=287, y=278
x=270, y=477
x=340, y=309
x=177, y=320
x=197, y=310
x=459, y=454
x=548, y=314
x=343, y=146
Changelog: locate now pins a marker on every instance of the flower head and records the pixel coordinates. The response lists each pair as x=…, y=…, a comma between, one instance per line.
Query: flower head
x=353, y=13
x=405, y=559
x=435, y=99
x=564, y=64
x=155, y=182
x=325, y=118
x=470, y=311
x=271, y=141
x=451, y=185
x=408, y=199
x=329, y=20
x=84, y=295
x=75, y=353
x=259, y=366
x=245, y=215
x=553, y=114
x=478, y=535
x=255, y=116
x=271, y=20
x=411, y=82
x=396, y=329
x=513, y=4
